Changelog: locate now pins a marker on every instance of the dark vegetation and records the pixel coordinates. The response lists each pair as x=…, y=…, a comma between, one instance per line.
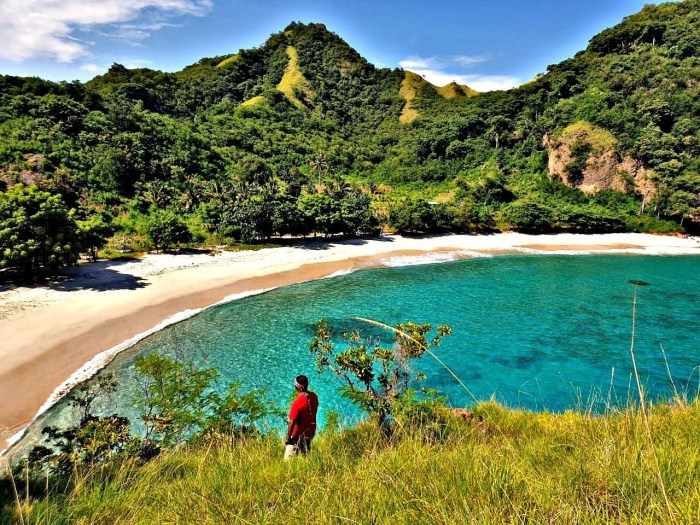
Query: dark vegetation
x=255, y=145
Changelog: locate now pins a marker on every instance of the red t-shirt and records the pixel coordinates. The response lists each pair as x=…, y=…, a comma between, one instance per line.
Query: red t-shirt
x=303, y=414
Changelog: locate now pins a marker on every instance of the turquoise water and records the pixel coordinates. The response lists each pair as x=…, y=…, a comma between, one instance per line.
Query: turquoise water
x=533, y=331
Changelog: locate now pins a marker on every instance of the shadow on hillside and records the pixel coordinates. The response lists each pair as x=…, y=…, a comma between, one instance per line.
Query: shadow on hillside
x=322, y=243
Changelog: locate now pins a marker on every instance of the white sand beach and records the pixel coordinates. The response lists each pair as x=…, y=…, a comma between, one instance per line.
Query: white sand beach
x=49, y=332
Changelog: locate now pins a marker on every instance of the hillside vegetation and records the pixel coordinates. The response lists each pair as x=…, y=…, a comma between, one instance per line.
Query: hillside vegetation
x=302, y=135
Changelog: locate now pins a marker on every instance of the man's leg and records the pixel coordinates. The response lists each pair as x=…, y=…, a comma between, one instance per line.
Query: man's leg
x=304, y=445
x=290, y=451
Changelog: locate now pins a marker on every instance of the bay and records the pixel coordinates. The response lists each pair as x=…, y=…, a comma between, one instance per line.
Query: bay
x=540, y=332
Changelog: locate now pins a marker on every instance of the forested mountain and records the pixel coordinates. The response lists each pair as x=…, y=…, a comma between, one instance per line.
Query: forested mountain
x=303, y=135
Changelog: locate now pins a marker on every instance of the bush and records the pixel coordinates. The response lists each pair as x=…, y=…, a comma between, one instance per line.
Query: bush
x=528, y=216
x=36, y=230
x=376, y=379
x=165, y=229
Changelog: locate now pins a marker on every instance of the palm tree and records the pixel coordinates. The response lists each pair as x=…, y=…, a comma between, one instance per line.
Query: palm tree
x=320, y=165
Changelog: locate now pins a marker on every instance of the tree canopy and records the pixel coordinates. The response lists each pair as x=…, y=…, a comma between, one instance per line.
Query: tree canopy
x=304, y=136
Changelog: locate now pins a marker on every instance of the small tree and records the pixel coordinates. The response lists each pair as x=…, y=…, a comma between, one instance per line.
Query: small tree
x=527, y=216
x=165, y=229
x=376, y=378
x=92, y=439
x=176, y=396
x=94, y=232
x=36, y=230
x=237, y=414
x=356, y=213
x=180, y=400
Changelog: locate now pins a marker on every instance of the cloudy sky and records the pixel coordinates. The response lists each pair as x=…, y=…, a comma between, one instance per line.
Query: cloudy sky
x=486, y=44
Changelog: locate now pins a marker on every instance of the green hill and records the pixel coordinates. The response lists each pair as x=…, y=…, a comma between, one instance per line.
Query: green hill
x=106, y=145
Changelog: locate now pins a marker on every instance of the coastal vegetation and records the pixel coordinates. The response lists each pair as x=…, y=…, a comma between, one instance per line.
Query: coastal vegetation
x=501, y=466
x=488, y=465
x=302, y=136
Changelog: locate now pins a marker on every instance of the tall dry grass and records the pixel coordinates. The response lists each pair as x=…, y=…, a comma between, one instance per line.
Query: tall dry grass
x=504, y=466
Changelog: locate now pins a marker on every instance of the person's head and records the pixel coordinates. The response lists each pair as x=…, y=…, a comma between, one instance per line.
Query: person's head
x=301, y=383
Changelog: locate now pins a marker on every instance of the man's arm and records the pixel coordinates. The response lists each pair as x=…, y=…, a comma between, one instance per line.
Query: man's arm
x=290, y=424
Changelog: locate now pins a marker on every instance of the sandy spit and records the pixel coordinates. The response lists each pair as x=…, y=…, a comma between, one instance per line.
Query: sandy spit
x=48, y=332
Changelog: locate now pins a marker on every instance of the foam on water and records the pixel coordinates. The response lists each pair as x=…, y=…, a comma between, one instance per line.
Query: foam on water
x=339, y=273
x=429, y=258
x=648, y=250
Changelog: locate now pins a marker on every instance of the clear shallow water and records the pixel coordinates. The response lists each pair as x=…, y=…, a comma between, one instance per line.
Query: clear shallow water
x=538, y=332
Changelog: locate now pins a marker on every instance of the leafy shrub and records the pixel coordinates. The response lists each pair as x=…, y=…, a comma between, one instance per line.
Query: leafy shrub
x=376, y=378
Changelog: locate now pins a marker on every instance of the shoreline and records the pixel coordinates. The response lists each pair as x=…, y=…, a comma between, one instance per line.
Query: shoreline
x=52, y=334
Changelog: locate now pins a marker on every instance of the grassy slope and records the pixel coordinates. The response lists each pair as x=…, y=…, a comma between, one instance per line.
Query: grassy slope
x=255, y=101
x=597, y=137
x=410, y=87
x=453, y=90
x=505, y=466
x=293, y=81
x=230, y=60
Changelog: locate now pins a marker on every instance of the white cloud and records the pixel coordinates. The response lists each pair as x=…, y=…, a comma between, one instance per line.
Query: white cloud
x=135, y=63
x=439, y=72
x=415, y=62
x=479, y=82
x=135, y=33
x=469, y=60
x=91, y=68
x=132, y=35
x=462, y=61
x=45, y=28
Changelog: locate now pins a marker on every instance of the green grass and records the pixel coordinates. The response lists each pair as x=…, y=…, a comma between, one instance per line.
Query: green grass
x=294, y=82
x=599, y=138
x=454, y=90
x=227, y=61
x=113, y=255
x=249, y=247
x=504, y=466
x=410, y=86
x=255, y=101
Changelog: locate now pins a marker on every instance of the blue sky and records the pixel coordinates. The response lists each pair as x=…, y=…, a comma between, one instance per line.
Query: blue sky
x=487, y=44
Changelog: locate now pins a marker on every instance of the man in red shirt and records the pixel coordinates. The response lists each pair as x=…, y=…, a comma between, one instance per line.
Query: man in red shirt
x=302, y=420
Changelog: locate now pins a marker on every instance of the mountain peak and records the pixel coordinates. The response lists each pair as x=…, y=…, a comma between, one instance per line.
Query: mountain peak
x=454, y=90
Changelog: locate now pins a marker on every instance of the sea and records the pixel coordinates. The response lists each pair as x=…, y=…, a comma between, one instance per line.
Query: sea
x=535, y=332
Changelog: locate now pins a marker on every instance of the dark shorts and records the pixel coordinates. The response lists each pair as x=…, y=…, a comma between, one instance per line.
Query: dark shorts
x=301, y=445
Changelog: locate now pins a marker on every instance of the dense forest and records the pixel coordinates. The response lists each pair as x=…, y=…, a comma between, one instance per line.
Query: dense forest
x=302, y=136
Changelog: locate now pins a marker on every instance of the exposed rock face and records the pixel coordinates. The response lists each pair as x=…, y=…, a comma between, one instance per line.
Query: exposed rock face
x=26, y=174
x=587, y=157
